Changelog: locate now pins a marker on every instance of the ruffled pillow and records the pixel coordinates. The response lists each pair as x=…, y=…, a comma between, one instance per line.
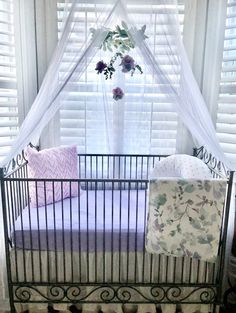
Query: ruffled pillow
x=55, y=163
x=181, y=165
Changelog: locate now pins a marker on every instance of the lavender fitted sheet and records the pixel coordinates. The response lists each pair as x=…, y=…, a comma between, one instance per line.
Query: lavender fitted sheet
x=120, y=223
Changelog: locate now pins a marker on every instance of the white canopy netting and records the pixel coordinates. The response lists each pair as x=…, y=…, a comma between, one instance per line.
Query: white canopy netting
x=168, y=77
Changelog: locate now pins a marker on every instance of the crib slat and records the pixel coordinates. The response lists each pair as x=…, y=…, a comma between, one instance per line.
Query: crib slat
x=39, y=239
x=104, y=230
x=95, y=235
x=182, y=272
x=112, y=231
x=79, y=236
x=144, y=234
x=19, y=191
x=14, y=230
x=120, y=219
x=71, y=234
x=128, y=234
x=54, y=231
x=31, y=236
x=47, y=235
x=63, y=232
x=136, y=232
x=87, y=232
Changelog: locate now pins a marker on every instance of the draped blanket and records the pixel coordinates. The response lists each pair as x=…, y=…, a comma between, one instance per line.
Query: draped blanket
x=185, y=217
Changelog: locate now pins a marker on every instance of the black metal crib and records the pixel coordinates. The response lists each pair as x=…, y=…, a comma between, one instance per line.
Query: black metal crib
x=91, y=248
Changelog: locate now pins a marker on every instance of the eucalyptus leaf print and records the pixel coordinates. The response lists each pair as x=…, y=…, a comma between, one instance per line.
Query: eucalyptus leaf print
x=189, y=188
x=185, y=217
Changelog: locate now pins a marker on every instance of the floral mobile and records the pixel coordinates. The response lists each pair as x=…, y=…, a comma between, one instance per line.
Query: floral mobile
x=120, y=40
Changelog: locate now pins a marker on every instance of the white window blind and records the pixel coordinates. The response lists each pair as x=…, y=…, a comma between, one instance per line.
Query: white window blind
x=8, y=85
x=82, y=121
x=226, y=113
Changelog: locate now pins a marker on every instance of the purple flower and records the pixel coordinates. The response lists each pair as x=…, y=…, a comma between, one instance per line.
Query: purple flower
x=117, y=93
x=127, y=64
x=100, y=67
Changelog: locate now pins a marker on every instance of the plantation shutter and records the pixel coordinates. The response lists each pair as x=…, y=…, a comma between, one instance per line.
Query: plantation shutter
x=226, y=113
x=8, y=86
x=82, y=122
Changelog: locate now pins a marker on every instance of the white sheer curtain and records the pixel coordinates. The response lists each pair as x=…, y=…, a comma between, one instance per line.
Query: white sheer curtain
x=179, y=87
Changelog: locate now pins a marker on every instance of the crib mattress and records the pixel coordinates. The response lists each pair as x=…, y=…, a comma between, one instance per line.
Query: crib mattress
x=95, y=221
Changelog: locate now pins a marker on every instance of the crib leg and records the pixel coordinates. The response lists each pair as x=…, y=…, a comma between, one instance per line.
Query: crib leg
x=11, y=300
x=216, y=308
x=12, y=307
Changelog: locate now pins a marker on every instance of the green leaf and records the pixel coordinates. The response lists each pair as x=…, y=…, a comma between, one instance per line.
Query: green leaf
x=210, y=238
x=124, y=25
x=189, y=188
x=123, y=34
x=178, y=228
x=207, y=186
x=195, y=223
x=202, y=217
x=162, y=199
x=205, y=240
x=190, y=202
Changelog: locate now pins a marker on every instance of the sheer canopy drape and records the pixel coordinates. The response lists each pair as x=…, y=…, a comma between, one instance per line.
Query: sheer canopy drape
x=175, y=81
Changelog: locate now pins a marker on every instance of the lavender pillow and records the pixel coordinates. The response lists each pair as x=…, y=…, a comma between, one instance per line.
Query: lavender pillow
x=55, y=163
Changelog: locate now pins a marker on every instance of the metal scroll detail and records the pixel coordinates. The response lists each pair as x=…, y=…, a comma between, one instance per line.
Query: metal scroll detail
x=216, y=166
x=15, y=163
x=114, y=294
x=18, y=161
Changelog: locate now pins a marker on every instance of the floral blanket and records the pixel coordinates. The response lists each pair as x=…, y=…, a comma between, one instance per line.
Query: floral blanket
x=185, y=217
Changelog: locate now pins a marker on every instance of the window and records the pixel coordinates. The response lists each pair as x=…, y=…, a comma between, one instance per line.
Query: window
x=226, y=114
x=81, y=118
x=8, y=84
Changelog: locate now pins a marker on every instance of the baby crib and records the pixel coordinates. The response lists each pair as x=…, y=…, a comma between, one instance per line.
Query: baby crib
x=91, y=248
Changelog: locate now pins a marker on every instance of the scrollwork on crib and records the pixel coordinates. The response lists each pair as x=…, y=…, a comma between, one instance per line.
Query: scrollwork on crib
x=114, y=294
x=205, y=295
x=18, y=161
x=15, y=163
x=215, y=165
